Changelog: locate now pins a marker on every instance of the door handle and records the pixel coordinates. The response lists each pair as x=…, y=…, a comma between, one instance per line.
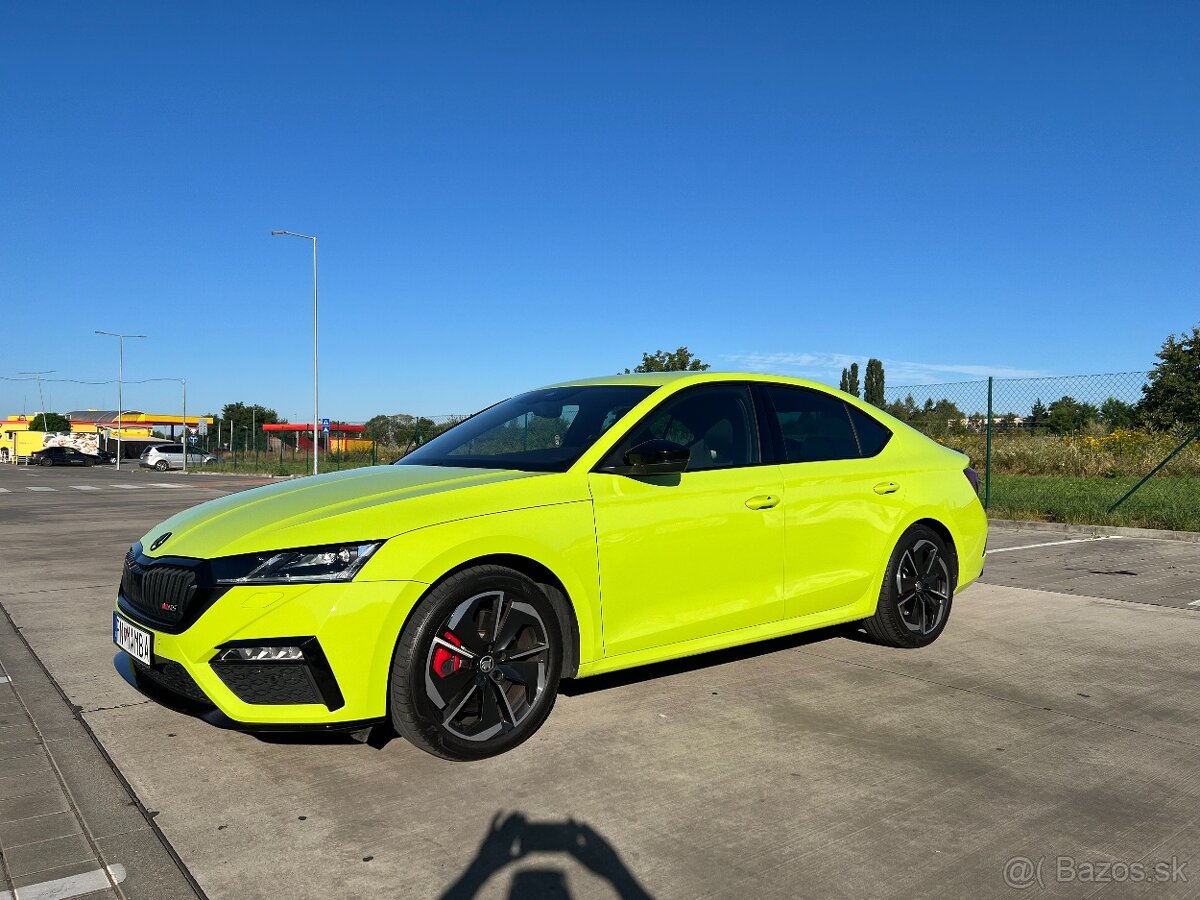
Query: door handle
x=762, y=501
x=886, y=487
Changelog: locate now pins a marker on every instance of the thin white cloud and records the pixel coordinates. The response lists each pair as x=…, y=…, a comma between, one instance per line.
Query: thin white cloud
x=828, y=367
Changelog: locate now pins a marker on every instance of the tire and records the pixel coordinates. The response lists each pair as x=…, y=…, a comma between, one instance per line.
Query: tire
x=45, y=461
x=917, y=591
x=162, y=465
x=457, y=689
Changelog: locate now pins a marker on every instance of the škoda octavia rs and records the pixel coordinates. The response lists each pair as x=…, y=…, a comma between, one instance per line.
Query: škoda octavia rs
x=580, y=528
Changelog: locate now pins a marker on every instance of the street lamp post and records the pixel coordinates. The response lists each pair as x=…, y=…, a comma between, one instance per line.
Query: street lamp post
x=187, y=443
x=41, y=399
x=316, y=420
x=120, y=383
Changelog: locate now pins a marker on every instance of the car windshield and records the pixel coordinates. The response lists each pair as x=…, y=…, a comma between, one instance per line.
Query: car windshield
x=542, y=431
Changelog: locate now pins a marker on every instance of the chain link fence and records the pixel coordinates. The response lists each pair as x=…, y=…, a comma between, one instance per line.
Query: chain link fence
x=287, y=450
x=1064, y=449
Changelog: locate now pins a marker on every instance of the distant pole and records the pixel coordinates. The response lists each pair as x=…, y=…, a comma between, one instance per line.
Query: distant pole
x=120, y=382
x=187, y=442
x=987, y=479
x=316, y=416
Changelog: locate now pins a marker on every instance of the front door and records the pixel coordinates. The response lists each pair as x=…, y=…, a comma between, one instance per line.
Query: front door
x=695, y=554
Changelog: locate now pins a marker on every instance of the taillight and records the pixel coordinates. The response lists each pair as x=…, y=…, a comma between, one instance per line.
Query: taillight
x=973, y=477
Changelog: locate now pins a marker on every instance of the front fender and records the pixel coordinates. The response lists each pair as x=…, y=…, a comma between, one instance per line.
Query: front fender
x=560, y=537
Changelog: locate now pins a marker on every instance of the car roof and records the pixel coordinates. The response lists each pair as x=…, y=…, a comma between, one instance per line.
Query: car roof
x=659, y=379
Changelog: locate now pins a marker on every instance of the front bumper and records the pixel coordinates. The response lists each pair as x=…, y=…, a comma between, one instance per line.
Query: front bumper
x=347, y=632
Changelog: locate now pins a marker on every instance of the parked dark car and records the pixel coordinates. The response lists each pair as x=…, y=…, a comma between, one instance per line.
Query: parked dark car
x=61, y=456
x=103, y=457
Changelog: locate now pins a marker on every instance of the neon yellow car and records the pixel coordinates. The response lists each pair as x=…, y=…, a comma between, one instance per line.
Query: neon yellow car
x=577, y=529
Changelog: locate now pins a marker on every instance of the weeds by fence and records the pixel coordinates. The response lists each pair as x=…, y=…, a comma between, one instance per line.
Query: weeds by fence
x=1061, y=449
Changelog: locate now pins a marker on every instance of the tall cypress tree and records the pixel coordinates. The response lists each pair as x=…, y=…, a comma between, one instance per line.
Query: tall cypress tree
x=852, y=380
x=873, y=388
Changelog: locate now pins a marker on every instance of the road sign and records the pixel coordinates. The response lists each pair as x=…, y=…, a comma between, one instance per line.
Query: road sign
x=192, y=439
x=325, y=425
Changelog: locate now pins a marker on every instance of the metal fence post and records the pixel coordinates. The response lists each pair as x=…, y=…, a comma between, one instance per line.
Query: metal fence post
x=987, y=476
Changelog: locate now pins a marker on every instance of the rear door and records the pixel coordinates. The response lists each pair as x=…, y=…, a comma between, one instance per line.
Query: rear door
x=844, y=500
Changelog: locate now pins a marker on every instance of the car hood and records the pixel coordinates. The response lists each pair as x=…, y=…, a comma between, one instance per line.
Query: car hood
x=366, y=504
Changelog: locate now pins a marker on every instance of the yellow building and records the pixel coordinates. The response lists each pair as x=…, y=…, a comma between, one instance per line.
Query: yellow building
x=92, y=429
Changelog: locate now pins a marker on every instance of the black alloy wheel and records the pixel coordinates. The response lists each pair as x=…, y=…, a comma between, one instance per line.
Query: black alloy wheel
x=917, y=591
x=477, y=667
x=46, y=461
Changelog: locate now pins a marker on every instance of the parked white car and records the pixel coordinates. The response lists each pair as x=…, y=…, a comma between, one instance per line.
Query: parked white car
x=170, y=456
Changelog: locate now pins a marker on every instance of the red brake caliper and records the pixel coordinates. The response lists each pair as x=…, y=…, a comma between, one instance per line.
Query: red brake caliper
x=444, y=662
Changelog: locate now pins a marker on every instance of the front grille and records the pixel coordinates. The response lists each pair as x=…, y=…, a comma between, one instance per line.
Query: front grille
x=173, y=677
x=164, y=593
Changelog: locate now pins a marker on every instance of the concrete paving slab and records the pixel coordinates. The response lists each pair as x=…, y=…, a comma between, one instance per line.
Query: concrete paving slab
x=32, y=805
x=30, y=859
x=43, y=828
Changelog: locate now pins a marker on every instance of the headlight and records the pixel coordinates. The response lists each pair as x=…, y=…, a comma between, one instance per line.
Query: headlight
x=315, y=564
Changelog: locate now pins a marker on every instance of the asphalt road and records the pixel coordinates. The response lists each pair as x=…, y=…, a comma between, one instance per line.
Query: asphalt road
x=1047, y=724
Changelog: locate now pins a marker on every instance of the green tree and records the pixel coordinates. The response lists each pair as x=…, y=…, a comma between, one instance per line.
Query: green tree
x=1037, y=415
x=1067, y=415
x=247, y=421
x=52, y=422
x=1171, y=396
x=850, y=380
x=873, y=383
x=680, y=360
x=1116, y=413
x=905, y=410
x=402, y=430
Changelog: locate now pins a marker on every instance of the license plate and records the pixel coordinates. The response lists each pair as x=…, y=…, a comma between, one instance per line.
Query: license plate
x=137, y=642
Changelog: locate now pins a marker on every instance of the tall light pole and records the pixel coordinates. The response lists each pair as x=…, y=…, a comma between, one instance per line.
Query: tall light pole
x=41, y=399
x=120, y=383
x=187, y=440
x=316, y=421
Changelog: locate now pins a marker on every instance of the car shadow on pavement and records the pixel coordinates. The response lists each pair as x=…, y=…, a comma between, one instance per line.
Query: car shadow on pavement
x=378, y=735
x=512, y=837
x=579, y=686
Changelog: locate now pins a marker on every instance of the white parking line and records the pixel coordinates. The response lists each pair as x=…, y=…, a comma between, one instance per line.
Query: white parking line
x=72, y=886
x=4, y=679
x=128, y=487
x=85, y=487
x=164, y=484
x=40, y=489
x=1194, y=603
x=1087, y=540
x=5, y=491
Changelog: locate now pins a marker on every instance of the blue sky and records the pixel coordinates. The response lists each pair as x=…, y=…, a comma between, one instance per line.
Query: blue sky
x=511, y=194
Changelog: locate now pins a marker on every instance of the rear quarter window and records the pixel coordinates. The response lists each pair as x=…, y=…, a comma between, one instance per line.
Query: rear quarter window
x=873, y=436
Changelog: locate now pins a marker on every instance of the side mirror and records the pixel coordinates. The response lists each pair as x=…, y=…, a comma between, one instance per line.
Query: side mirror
x=657, y=457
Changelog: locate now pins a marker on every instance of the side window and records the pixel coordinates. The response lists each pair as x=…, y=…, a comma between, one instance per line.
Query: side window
x=872, y=435
x=815, y=426
x=716, y=423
